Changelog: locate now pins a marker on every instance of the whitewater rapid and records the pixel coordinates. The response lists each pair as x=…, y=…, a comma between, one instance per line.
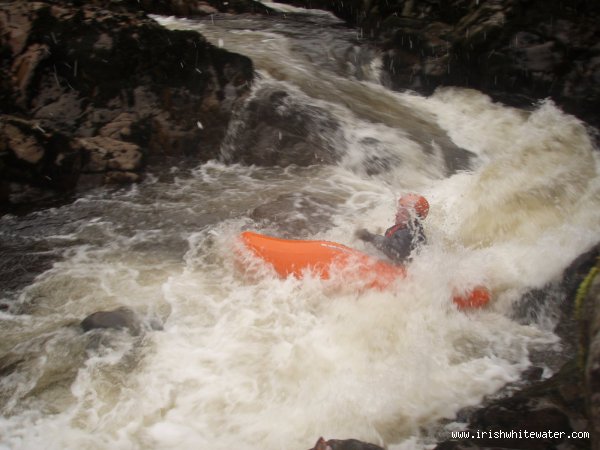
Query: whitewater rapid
x=264, y=363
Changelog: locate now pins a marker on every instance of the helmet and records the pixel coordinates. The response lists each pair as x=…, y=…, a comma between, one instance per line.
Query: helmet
x=415, y=202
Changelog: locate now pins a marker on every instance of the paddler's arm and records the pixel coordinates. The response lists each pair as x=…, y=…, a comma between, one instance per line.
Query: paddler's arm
x=376, y=240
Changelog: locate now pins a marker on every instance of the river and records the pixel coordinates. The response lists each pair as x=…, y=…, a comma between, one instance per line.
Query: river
x=231, y=361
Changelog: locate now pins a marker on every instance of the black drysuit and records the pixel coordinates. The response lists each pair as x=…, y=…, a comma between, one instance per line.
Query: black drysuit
x=399, y=241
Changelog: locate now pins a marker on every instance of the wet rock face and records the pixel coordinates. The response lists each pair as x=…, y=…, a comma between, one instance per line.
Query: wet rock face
x=555, y=405
x=273, y=120
x=589, y=315
x=518, y=51
x=104, y=153
x=132, y=91
x=200, y=8
x=32, y=158
x=183, y=8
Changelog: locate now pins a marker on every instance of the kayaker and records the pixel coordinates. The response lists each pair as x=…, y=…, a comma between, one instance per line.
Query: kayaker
x=406, y=235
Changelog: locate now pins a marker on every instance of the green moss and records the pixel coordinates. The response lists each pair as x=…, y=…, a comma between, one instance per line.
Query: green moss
x=582, y=292
x=583, y=289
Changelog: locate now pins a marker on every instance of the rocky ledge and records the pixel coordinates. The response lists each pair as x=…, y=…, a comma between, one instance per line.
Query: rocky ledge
x=517, y=51
x=92, y=95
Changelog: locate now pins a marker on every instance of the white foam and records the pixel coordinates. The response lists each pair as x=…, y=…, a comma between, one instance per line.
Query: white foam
x=263, y=363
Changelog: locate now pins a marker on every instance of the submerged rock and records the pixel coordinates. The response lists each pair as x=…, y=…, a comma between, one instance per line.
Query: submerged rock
x=298, y=214
x=344, y=444
x=117, y=319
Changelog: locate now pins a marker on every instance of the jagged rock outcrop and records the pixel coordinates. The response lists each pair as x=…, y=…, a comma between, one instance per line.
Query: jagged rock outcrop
x=546, y=415
x=517, y=51
x=34, y=160
x=272, y=120
x=199, y=8
x=121, y=90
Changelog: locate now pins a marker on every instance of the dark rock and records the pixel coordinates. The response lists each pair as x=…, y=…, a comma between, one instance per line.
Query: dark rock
x=532, y=374
x=202, y=8
x=135, y=92
x=117, y=319
x=578, y=270
x=38, y=164
x=345, y=444
x=588, y=313
x=121, y=178
x=273, y=120
x=36, y=157
x=517, y=51
x=556, y=405
x=103, y=153
x=560, y=293
x=183, y=8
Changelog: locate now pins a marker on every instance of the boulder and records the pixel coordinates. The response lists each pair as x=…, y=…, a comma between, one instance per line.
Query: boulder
x=117, y=319
x=273, y=120
x=344, y=444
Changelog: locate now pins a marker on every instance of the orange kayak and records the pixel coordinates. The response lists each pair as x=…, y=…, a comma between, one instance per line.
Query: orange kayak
x=322, y=258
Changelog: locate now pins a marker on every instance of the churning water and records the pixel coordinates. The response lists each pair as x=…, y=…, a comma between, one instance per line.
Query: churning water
x=263, y=363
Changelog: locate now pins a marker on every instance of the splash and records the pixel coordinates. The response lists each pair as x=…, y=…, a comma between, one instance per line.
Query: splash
x=266, y=363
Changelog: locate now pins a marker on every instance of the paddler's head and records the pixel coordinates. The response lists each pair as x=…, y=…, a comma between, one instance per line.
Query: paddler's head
x=410, y=206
